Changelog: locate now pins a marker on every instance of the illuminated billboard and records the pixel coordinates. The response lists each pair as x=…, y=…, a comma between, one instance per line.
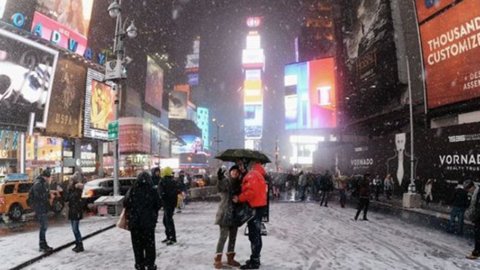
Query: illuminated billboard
x=427, y=8
x=193, y=144
x=310, y=95
x=178, y=105
x=154, y=87
x=64, y=22
x=99, y=106
x=253, y=121
x=26, y=75
x=451, y=55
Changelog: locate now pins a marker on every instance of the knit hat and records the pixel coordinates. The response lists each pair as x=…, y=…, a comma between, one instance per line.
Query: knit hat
x=468, y=184
x=234, y=167
x=167, y=171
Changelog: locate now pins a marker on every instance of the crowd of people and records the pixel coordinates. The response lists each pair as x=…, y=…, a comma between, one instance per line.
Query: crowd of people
x=243, y=191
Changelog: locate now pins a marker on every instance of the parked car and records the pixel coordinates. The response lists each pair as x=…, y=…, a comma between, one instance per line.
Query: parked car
x=14, y=194
x=94, y=189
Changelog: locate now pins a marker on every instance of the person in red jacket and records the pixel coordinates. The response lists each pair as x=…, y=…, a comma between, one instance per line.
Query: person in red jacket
x=254, y=192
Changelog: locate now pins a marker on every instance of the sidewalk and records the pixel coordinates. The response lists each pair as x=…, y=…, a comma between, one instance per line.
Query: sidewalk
x=59, y=233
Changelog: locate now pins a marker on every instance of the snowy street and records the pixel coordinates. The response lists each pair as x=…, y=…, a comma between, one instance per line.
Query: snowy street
x=301, y=236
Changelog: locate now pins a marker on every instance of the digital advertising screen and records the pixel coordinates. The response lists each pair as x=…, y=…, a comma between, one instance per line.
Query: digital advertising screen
x=99, y=106
x=154, y=87
x=451, y=53
x=253, y=121
x=27, y=70
x=193, y=144
x=310, y=95
x=64, y=22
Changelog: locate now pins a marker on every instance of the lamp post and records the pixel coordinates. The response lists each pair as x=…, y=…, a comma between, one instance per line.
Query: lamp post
x=217, y=139
x=115, y=72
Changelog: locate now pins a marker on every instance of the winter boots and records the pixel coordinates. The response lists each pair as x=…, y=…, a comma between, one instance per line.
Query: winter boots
x=473, y=256
x=218, y=261
x=231, y=261
x=251, y=264
x=45, y=248
x=78, y=247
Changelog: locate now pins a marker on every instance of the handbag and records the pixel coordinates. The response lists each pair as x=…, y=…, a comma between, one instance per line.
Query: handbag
x=242, y=213
x=122, y=222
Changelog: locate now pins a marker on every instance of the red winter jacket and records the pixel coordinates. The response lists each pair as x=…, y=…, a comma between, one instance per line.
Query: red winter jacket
x=254, y=188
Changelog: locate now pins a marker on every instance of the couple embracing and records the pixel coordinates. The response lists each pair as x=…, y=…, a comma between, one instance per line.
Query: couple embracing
x=241, y=188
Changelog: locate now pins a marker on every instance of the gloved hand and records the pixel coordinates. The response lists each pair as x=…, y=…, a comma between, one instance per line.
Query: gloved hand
x=220, y=173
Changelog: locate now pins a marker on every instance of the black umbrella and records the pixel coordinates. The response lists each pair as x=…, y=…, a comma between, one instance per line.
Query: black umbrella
x=236, y=154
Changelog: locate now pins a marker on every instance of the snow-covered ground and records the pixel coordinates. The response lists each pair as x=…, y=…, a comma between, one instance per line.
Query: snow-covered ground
x=301, y=236
x=19, y=247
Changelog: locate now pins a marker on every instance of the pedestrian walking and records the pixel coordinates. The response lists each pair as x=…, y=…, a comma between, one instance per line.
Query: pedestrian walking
x=155, y=176
x=363, y=196
x=168, y=191
x=254, y=192
x=183, y=191
x=141, y=206
x=342, y=189
x=428, y=191
x=40, y=194
x=227, y=187
x=75, y=208
x=302, y=185
x=377, y=184
x=388, y=186
x=461, y=201
x=326, y=185
x=474, y=216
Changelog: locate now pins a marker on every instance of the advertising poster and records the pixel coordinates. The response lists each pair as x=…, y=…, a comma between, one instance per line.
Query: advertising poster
x=371, y=60
x=26, y=75
x=451, y=53
x=427, y=8
x=65, y=114
x=154, y=87
x=64, y=22
x=99, y=106
x=178, y=105
x=134, y=136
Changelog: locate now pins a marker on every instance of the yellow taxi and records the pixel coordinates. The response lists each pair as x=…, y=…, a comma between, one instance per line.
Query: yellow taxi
x=14, y=189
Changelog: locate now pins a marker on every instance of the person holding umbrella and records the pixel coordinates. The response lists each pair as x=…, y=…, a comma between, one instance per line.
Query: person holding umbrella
x=254, y=192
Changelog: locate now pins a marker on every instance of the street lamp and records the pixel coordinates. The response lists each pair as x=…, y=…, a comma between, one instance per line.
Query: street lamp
x=217, y=139
x=115, y=72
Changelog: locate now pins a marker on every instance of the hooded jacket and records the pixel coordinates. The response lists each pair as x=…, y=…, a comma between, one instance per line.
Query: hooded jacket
x=168, y=191
x=254, y=188
x=142, y=204
x=155, y=177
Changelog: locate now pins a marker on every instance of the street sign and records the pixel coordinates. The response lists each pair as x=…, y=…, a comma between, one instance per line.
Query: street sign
x=113, y=130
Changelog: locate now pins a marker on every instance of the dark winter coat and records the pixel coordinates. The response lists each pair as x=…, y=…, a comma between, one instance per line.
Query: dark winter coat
x=227, y=188
x=142, y=204
x=475, y=215
x=460, y=198
x=181, y=183
x=326, y=183
x=75, y=202
x=155, y=177
x=364, y=189
x=41, y=196
x=168, y=191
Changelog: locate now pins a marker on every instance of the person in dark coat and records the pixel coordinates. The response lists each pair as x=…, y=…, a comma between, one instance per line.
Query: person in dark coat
x=156, y=176
x=363, y=196
x=326, y=185
x=227, y=188
x=168, y=191
x=41, y=205
x=75, y=208
x=475, y=218
x=461, y=201
x=141, y=206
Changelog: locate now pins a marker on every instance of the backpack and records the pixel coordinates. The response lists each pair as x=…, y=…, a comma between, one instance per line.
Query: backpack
x=31, y=197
